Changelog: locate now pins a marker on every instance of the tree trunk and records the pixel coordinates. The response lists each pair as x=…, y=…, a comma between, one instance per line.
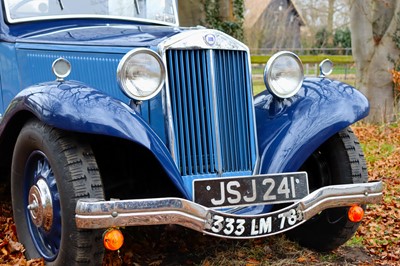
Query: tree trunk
x=331, y=11
x=373, y=24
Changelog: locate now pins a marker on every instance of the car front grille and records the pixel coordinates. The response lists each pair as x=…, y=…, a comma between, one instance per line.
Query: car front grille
x=212, y=112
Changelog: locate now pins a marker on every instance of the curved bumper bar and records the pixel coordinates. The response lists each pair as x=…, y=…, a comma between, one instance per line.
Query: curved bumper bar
x=95, y=214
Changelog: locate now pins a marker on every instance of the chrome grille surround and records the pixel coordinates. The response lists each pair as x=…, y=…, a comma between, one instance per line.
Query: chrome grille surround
x=208, y=104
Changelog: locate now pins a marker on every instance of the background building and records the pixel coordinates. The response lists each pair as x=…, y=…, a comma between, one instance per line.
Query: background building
x=268, y=24
x=272, y=24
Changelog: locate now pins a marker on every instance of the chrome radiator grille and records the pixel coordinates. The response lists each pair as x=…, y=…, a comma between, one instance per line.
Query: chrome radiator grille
x=211, y=111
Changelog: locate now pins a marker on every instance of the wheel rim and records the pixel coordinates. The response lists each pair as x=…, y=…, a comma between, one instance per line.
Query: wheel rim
x=42, y=206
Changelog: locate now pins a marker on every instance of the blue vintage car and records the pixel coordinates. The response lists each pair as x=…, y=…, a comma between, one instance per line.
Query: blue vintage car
x=111, y=115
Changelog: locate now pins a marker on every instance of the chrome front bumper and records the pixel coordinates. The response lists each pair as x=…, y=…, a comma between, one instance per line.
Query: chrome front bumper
x=95, y=214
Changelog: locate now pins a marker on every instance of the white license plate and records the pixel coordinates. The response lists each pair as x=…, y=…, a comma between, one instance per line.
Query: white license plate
x=251, y=190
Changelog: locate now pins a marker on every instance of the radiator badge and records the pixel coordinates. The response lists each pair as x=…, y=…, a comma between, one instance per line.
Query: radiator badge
x=210, y=39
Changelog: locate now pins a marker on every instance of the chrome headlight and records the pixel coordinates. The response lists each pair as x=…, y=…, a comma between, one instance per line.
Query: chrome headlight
x=141, y=74
x=283, y=74
x=325, y=68
x=61, y=68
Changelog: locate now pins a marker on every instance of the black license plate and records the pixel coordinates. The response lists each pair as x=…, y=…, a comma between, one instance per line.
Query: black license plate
x=250, y=190
x=233, y=226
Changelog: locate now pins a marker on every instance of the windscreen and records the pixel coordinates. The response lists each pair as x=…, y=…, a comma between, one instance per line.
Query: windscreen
x=159, y=11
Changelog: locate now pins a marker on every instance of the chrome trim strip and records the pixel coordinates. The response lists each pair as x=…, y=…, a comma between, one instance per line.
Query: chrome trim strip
x=176, y=13
x=44, y=18
x=167, y=108
x=194, y=39
x=258, y=159
x=216, y=120
x=83, y=16
x=340, y=195
x=95, y=214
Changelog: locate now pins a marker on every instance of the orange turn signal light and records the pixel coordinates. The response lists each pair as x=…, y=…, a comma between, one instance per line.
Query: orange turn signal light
x=113, y=239
x=355, y=213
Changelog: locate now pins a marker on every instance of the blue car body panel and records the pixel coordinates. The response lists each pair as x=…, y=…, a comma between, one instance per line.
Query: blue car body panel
x=105, y=45
x=288, y=130
x=75, y=107
x=104, y=35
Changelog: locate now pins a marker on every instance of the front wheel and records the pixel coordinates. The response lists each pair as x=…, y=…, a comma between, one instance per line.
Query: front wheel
x=339, y=160
x=51, y=170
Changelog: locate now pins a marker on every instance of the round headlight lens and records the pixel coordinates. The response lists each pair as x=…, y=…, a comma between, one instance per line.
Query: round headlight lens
x=141, y=74
x=283, y=74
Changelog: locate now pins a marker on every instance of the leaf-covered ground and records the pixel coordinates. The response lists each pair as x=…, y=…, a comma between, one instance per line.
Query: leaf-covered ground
x=377, y=241
x=380, y=230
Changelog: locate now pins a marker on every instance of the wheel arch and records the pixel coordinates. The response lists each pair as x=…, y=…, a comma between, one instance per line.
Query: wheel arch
x=290, y=130
x=75, y=107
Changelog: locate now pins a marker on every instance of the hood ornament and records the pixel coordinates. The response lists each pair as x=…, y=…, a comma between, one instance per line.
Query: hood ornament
x=210, y=39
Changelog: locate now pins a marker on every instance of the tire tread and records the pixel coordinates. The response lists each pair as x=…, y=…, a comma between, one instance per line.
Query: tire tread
x=323, y=236
x=80, y=178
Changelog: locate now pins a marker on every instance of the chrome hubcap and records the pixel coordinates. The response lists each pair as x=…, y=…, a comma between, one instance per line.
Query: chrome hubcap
x=40, y=205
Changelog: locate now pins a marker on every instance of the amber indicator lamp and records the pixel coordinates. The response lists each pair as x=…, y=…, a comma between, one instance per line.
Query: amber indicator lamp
x=356, y=213
x=113, y=239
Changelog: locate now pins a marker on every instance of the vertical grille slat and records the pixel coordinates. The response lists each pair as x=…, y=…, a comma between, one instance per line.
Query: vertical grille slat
x=200, y=83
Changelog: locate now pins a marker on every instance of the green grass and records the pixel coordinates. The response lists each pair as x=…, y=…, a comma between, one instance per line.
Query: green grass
x=327, y=257
x=340, y=69
x=258, y=87
x=355, y=241
x=370, y=148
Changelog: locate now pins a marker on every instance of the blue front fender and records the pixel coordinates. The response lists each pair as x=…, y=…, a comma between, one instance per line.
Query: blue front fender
x=75, y=107
x=290, y=130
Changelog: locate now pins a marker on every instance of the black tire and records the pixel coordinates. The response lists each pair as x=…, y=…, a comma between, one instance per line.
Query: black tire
x=50, y=164
x=339, y=160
